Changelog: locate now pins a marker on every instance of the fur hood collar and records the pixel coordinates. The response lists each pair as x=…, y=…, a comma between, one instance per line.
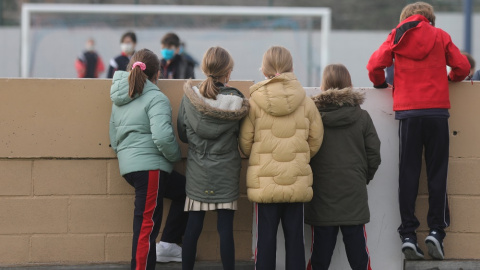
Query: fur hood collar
x=339, y=98
x=223, y=108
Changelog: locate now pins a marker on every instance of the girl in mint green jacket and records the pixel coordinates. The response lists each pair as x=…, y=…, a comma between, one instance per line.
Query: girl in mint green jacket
x=141, y=134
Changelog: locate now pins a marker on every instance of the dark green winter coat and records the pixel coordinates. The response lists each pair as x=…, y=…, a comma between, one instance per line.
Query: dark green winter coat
x=346, y=162
x=211, y=127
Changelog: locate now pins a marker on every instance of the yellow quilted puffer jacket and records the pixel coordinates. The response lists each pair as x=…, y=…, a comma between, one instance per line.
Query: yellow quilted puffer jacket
x=282, y=131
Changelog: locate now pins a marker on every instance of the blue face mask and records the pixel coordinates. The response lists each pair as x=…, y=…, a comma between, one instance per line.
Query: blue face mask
x=181, y=50
x=168, y=54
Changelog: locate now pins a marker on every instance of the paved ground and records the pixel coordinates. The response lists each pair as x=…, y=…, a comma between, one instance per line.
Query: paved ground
x=160, y=266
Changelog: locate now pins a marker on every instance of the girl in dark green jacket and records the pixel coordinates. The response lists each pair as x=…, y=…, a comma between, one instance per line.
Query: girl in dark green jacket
x=345, y=164
x=208, y=120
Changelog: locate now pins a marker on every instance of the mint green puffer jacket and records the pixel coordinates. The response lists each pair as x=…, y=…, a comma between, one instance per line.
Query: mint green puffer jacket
x=141, y=130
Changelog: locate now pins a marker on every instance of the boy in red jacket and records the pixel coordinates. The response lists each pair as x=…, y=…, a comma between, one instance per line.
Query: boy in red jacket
x=421, y=102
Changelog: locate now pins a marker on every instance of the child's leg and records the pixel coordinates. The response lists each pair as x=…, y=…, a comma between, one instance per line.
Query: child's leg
x=436, y=135
x=192, y=233
x=292, y=223
x=268, y=217
x=177, y=218
x=147, y=217
x=355, y=239
x=411, y=148
x=324, y=239
x=227, y=245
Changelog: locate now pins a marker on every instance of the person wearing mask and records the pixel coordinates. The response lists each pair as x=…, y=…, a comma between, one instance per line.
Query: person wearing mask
x=173, y=65
x=89, y=64
x=127, y=45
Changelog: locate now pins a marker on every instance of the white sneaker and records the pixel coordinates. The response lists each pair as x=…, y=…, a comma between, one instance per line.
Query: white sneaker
x=168, y=252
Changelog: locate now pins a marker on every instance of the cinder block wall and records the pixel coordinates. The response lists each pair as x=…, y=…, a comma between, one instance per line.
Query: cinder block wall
x=62, y=199
x=463, y=236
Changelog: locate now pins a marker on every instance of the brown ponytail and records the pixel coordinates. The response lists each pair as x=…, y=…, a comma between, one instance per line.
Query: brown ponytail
x=138, y=77
x=216, y=63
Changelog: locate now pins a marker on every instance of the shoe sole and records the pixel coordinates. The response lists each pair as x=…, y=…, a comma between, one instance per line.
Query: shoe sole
x=168, y=259
x=434, y=249
x=409, y=250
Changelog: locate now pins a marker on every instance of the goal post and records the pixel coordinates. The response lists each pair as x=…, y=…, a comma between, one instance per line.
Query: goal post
x=246, y=11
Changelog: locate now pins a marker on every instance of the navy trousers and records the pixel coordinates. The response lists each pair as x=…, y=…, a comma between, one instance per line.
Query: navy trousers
x=324, y=239
x=269, y=216
x=415, y=134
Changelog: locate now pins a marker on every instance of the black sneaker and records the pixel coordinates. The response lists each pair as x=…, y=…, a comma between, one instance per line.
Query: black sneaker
x=434, y=243
x=411, y=250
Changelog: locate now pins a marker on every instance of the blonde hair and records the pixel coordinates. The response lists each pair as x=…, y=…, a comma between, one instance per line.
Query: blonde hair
x=216, y=63
x=276, y=60
x=336, y=76
x=420, y=8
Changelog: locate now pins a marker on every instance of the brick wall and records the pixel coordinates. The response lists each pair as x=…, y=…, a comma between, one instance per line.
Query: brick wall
x=62, y=199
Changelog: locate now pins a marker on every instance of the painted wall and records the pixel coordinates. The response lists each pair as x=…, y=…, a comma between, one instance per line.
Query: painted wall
x=62, y=199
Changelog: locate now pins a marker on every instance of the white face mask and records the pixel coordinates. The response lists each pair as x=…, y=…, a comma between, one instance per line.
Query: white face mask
x=90, y=47
x=126, y=47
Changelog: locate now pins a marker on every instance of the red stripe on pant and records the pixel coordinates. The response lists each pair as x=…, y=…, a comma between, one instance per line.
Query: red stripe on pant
x=369, y=267
x=309, y=265
x=143, y=244
x=256, y=234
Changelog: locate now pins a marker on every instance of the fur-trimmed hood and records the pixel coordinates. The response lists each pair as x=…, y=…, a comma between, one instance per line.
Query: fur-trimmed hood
x=229, y=105
x=339, y=107
x=339, y=97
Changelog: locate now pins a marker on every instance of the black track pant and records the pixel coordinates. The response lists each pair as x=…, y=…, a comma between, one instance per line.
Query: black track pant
x=269, y=216
x=149, y=189
x=324, y=239
x=416, y=134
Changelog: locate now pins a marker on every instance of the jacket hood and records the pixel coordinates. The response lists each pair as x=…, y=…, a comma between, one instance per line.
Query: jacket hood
x=339, y=107
x=211, y=118
x=119, y=89
x=414, y=37
x=278, y=96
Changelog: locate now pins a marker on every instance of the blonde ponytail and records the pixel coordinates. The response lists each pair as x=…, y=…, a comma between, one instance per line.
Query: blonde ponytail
x=216, y=64
x=276, y=60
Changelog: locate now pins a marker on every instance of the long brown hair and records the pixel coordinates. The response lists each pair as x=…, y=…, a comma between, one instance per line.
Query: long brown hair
x=216, y=63
x=276, y=60
x=336, y=76
x=420, y=8
x=138, y=77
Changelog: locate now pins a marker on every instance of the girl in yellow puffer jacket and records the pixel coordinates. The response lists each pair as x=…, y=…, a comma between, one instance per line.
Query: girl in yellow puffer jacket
x=282, y=131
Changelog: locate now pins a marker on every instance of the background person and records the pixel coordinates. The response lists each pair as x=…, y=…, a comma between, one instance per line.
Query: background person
x=89, y=64
x=128, y=41
x=173, y=65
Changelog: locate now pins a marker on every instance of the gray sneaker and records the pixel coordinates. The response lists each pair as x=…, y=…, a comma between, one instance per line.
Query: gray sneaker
x=434, y=243
x=173, y=253
x=411, y=250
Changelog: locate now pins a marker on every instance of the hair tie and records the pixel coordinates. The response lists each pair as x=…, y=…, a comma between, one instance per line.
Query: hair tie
x=139, y=64
x=213, y=77
x=277, y=74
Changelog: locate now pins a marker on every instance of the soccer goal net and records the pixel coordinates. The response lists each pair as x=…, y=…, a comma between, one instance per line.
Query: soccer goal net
x=53, y=35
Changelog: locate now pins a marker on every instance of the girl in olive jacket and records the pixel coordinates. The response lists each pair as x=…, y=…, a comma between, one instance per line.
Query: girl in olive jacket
x=347, y=161
x=282, y=131
x=209, y=121
x=142, y=136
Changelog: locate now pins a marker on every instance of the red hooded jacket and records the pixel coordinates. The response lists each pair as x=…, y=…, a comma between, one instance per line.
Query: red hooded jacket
x=421, y=52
